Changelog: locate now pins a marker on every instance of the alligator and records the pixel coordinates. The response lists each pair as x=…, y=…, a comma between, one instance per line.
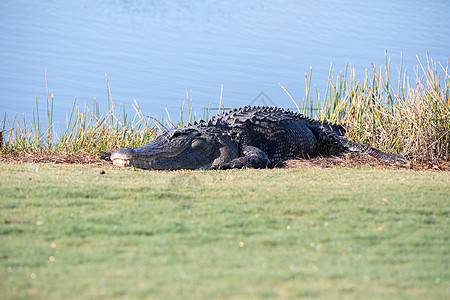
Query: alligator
x=246, y=137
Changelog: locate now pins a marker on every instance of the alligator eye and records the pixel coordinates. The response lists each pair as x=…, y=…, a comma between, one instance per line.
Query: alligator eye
x=176, y=133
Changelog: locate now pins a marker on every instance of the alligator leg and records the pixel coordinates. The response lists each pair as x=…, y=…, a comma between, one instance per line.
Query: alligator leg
x=253, y=158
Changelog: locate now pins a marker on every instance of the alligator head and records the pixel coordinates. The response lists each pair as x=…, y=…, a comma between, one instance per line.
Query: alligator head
x=185, y=148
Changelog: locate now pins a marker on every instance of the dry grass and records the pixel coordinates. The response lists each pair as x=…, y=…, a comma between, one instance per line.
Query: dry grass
x=70, y=158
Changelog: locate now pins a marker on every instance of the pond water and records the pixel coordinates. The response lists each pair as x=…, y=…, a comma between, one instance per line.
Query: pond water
x=152, y=51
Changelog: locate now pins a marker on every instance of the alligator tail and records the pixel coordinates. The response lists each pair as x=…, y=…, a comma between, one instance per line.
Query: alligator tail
x=332, y=135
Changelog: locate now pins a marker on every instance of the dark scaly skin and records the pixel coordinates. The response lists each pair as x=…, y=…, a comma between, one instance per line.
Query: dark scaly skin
x=247, y=137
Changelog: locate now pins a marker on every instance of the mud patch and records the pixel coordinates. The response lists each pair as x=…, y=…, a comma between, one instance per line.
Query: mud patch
x=73, y=158
x=355, y=160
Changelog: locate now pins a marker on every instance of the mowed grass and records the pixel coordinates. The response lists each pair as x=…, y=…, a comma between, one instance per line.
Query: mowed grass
x=69, y=232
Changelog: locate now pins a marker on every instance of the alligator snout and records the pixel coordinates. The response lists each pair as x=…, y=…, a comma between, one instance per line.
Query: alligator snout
x=123, y=153
x=123, y=156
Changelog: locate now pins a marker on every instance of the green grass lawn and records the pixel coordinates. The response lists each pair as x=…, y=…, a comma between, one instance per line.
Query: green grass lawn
x=69, y=232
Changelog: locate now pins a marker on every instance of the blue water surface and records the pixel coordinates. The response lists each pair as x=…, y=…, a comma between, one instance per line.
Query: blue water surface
x=153, y=51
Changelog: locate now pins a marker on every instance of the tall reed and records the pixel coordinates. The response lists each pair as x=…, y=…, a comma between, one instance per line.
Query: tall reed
x=86, y=131
x=411, y=119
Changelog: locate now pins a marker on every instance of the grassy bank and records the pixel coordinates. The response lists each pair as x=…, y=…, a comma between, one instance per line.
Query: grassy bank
x=68, y=231
x=397, y=116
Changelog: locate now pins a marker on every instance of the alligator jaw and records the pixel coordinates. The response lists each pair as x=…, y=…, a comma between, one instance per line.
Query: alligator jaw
x=122, y=162
x=127, y=157
x=131, y=163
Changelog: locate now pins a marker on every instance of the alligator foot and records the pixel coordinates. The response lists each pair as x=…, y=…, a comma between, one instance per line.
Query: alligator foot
x=105, y=155
x=253, y=158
